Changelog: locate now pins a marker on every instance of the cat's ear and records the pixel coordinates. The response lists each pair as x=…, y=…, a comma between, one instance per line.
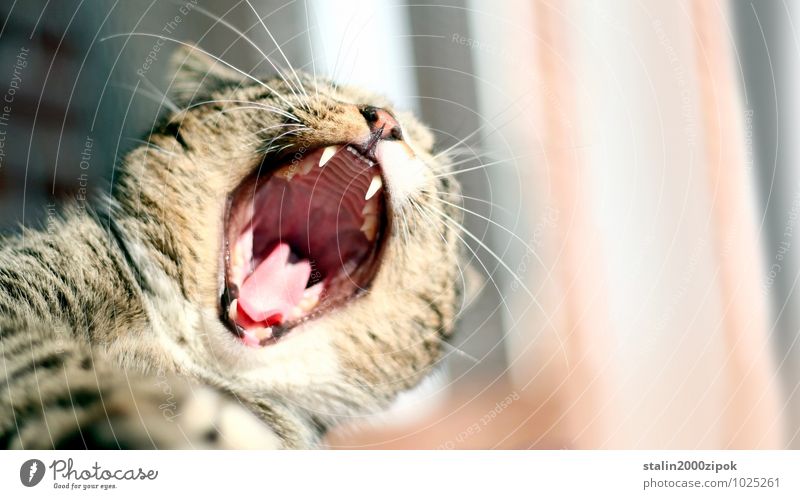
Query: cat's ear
x=195, y=75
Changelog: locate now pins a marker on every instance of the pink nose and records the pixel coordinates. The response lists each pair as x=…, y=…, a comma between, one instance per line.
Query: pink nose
x=382, y=121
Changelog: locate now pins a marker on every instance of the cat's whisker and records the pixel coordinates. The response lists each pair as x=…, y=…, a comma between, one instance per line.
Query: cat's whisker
x=169, y=102
x=516, y=277
x=221, y=20
x=498, y=225
x=257, y=141
x=495, y=128
x=242, y=35
x=457, y=149
x=406, y=229
x=463, y=305
x=472, y=157
x=478, y=167
x=496, y=206
x=462, y=353
x=460, y=142
x=158, y=99
x=274, y=139
x=311, y=48
x=274, y=149
x=424, y=213
x=538, y=154
x=335, y=72
x=298, y=128
x=241, y=108
x=469, y=153
x=414, y=204
x=150, y=145
x=485, y=247
x=489, y=275
x=280, y=50
x=251, y=104
x=472, y=151
x=231, y=66
x=218, y=115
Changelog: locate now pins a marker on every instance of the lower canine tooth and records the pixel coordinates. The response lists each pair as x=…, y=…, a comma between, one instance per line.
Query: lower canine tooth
x=327, y=154
x=297, y=312
x=233, y=314
x=263, y=333
x=376, y=184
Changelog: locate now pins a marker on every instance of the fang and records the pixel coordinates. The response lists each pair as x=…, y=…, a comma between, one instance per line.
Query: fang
x=327, y=154
x=376, y=184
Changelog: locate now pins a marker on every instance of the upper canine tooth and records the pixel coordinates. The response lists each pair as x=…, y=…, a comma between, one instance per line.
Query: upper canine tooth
x=327, y=154
x=376, y=184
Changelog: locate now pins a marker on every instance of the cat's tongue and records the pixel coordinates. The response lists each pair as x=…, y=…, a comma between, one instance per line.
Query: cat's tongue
x=272, y=292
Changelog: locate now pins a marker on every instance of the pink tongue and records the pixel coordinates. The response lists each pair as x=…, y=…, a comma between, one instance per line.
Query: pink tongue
x=275, y=288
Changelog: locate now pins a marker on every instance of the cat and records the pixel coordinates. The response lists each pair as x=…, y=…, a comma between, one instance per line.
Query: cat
x=278, y=255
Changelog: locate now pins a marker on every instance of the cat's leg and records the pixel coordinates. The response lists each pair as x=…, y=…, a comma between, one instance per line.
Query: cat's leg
x=57, y=393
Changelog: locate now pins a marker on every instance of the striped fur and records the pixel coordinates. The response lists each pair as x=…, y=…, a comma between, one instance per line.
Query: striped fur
x=109, y=329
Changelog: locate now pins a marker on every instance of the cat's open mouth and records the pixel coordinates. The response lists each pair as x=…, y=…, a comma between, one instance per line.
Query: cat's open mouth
x=300, y=240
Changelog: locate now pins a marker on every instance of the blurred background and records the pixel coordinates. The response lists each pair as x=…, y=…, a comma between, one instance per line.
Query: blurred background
x=630, y=182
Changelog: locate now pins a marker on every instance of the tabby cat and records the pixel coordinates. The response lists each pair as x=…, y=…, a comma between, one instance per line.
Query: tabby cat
x=280, y=254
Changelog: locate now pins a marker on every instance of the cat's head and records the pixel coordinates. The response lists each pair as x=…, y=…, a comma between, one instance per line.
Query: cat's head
x=307, y=228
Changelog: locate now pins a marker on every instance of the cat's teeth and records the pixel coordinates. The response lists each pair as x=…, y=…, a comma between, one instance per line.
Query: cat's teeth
x=327, y=154
x=233, y=313
x=376, y=184
x=236, y=259
x=370, y=227
x=370, y=208
x=370, y=214
x=289, y=171
x=262, y=333
x=307, y=303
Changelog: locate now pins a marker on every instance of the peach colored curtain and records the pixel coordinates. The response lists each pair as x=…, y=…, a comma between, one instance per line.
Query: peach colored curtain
x=750, y=416
x=581, y=371
x=748, y=406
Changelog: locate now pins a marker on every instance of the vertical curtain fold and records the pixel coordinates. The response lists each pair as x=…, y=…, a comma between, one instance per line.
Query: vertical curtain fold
x=750, y=418
x=583, y=388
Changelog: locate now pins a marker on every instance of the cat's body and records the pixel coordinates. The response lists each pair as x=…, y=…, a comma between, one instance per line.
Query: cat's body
x=121, y=327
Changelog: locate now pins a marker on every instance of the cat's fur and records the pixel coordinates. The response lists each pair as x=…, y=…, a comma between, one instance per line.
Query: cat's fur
x=109, y=321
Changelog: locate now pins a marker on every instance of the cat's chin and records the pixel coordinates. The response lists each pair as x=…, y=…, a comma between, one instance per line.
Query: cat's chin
x=301, y=238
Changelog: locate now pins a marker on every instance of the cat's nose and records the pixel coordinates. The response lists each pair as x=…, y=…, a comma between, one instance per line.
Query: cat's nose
x=382, y=122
